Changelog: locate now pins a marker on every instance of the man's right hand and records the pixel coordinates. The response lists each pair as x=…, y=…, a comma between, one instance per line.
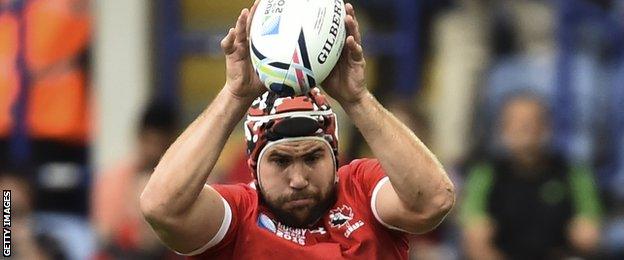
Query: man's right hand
x=241, y=79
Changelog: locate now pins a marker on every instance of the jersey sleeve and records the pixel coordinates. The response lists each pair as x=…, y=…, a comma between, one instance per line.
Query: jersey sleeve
x=476, y=192
x=237, y=200
x=584, y=193
x=370, y=177
x=367, y=173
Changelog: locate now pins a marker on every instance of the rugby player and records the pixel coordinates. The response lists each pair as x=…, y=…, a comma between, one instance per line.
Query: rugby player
x=302, y=203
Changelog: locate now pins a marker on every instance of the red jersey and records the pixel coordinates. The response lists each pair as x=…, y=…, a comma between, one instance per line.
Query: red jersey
x=349, y=230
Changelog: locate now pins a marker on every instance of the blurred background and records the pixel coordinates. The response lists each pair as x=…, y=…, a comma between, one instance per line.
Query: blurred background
x=521, y=100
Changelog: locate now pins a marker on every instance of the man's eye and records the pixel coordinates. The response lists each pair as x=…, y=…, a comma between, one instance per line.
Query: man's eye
x=312, y=158
x=282, y=162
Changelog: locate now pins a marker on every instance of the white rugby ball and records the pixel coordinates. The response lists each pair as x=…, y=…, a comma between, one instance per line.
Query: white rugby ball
x=294, y=44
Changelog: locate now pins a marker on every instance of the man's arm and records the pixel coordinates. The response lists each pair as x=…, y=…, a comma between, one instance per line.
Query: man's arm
x=419, y=193
x=185, y=213
x=478, y=228
x=478, y=240
x=584, y=229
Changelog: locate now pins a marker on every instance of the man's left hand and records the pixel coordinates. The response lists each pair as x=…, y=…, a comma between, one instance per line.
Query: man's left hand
x=346, y=82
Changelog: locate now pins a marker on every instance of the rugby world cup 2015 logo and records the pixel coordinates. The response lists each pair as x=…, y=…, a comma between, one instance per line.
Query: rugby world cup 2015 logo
x=272, y=17
x=341, y=217
x=295, y=235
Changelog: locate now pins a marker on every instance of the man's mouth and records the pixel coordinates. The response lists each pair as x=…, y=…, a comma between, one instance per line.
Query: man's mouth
x=300, y=203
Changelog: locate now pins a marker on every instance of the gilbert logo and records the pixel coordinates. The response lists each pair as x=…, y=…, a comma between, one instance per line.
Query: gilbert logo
x=341, y=217
x=6, y=223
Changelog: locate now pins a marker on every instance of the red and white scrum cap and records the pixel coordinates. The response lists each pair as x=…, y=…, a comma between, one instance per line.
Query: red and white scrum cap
x=272, y=119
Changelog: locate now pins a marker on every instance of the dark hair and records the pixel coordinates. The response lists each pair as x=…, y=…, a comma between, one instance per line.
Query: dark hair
x=24, y=173
x=159, y=116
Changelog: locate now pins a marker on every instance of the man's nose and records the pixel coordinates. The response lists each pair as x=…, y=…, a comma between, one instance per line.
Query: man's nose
x=299, y=176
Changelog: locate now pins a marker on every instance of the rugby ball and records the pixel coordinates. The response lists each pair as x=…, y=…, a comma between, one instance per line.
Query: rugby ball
x=294, y=44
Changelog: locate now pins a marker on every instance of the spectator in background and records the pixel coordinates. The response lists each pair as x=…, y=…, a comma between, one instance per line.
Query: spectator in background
x=534, y=59
x=28, y=240
x=122, y=233
x=44, y=111
x=526, y=202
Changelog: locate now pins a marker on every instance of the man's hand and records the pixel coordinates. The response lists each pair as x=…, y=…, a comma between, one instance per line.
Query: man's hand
x=241, y=80
x=346, y=82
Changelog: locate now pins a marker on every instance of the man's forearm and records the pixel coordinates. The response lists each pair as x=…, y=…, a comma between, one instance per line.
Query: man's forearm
x=182, y=172
x=414, y=171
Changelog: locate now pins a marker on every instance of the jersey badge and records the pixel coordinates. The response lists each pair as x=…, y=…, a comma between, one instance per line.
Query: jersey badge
x=342, y=217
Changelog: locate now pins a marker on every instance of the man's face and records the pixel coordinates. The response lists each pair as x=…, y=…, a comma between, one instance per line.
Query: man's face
x=297, y=180
x=21, y=196
x=524, y=127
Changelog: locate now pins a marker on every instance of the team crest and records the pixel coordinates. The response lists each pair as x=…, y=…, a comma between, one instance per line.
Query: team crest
x=342, y=217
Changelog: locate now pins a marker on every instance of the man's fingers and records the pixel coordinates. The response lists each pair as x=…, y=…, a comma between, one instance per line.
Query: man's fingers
x=352, y=29
x=350, y=10
x=227, y=44
x=354, y=26
x=357, y=34
x=241, y=30
x=356, y=52
x=252, y=11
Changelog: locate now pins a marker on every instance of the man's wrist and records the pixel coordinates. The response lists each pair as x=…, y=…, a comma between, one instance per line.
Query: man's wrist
x=359, y=101
x=227, y=107
x=231, y=96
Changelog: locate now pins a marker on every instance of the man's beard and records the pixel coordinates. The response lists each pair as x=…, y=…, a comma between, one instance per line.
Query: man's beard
x=321, y=206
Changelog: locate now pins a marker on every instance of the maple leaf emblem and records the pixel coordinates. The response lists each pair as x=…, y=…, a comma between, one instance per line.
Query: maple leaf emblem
x=341, y=216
